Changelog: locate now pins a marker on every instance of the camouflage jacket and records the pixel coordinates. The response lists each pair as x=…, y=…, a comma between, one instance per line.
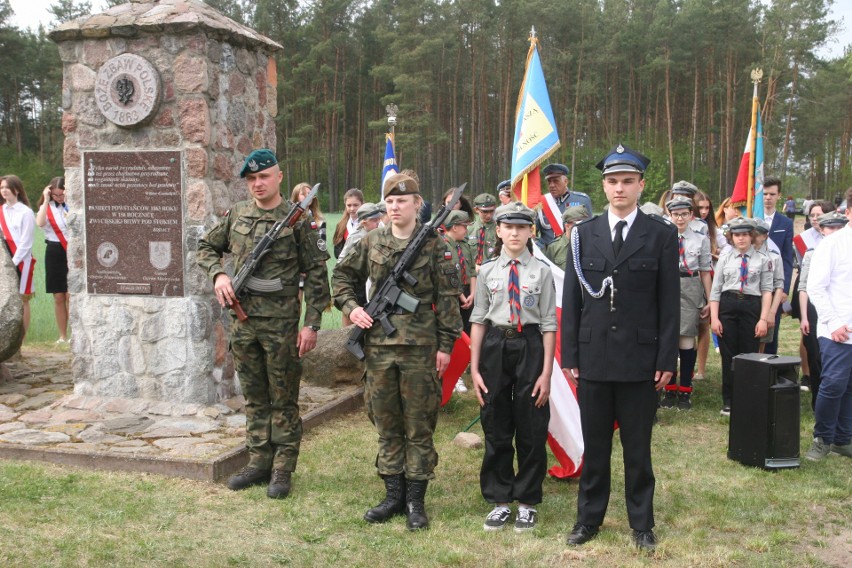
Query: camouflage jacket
x=437, y=321
x=298, y=250
x=469, y=258
x=490, y=239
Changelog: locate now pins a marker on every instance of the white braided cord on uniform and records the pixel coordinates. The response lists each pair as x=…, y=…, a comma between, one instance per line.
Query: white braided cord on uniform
x=575, y=254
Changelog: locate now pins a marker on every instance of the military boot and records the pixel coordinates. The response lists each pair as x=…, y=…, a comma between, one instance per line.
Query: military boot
x=247, y=477
x=394, y=502
x=279, y=485
x=415, y=507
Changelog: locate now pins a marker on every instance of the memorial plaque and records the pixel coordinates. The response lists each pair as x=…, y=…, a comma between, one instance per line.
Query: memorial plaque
x=134, y=223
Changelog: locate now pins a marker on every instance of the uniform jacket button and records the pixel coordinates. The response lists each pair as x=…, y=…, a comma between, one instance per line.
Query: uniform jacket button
x=614, y=328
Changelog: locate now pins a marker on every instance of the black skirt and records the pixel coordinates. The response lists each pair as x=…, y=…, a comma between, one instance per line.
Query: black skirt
x=56, y=268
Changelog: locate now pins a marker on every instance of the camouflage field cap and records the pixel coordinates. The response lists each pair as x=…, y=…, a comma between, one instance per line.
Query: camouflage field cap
x=400, y=184
x=515, y=213
x=257, y=161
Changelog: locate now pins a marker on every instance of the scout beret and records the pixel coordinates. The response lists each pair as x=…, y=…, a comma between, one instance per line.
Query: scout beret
x=650, y=208
x=761, y=226
x=257, y=161
x=484, y=201
x=740, y=225
x=574, y=213
x=515, y=213
x=832, y=219
x=679, y=202
x=400, y=184
x=369, y=211
x=684, y=188
x=504, y=186
x=555, y=170
x=623, y=159
x=457, y=217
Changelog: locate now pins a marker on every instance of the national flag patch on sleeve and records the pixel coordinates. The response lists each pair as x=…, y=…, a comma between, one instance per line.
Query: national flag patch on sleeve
x=313, y=225
x=448, y=255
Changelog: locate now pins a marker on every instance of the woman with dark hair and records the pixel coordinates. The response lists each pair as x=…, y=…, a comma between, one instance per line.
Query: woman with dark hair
x=18, y=226
x=51, y=218
x=348, y=224
x=461, y=205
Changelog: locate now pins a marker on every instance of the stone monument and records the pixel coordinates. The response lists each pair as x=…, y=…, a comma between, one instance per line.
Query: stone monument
x=162, y=101
x=11, y=313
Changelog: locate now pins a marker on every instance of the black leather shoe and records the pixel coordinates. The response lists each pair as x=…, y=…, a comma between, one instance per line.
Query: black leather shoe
x=247, y=477
x=279, y=485
x=645, y=540
x=581, y=534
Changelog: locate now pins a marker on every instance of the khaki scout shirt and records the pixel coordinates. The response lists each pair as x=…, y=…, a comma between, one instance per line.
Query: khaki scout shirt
x=804, y=270
x=775, y=265
x=727, y=277
x=558, y=250
x=297, y=250
x=469, y=258
x=538, y=293
x=696, y=252
x=437, y=285
x=490, y=239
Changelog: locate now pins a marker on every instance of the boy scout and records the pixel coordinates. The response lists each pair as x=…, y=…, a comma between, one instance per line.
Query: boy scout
x=268, y=345
x=455, y=235
x=482, y=235
x=763, y=244
x=557, y=251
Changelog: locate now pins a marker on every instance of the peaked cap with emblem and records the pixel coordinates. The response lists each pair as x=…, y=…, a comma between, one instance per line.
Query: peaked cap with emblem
x=651, y=208
x=574, y=213
x=484, y=201
x=832, y=219
x=623, y=159
x=400, y=184
x=740, y=225
x=369, y=211
x=679, y=202
x=554, y=170
x=457, y=217
x=504, y=186
x=515, y=213
x=257, y=161
x=683, y=187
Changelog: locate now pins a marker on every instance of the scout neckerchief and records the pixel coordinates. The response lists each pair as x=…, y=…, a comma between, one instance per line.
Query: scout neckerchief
x=743, y=271
x=682, y=253
x=462, y=263
x=514, y=294
x=480, y=245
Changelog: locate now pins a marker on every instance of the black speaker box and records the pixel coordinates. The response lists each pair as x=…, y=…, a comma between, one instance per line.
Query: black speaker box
x=765, y=411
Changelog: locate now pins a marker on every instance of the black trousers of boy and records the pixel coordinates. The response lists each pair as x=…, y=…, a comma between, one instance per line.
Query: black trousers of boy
x=739, y=314
x=812, y=348
x=465, y=313
x=510, y=364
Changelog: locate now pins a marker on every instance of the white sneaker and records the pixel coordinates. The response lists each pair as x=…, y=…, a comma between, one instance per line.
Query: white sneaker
x=460, y=386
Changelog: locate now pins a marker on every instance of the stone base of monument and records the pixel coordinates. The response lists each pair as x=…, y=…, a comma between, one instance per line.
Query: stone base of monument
x=41, y=419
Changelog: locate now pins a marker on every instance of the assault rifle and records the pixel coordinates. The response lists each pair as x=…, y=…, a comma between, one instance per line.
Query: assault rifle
x=244, y=282
x=389, y=296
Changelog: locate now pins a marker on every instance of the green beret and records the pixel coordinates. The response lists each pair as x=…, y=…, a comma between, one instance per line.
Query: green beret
x=258, y=161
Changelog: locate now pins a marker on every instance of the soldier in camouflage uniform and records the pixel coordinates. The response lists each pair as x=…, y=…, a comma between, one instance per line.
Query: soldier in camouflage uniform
x=482, y=235
x=557, y=251
x=267, y=347
x=403, y=387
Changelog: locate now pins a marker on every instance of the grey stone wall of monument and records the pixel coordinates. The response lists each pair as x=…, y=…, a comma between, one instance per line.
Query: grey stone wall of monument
x=11, y=309
x=216, y=102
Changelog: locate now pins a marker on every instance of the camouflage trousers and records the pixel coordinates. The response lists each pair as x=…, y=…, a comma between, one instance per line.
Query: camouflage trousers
x=402, y=394
x=267, y=361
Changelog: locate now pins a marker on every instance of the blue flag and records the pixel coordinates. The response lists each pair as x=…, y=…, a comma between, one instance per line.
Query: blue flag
x=536, y=136
x=757, y=205
x=390, y=166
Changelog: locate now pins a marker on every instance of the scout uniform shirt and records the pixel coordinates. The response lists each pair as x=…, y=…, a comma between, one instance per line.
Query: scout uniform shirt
x=727, y=278
x=695, y=257
x=297, y=250
x=538, y=293
x=482, y=242
x=775, y=265
x=804, y=270
x=465, y=266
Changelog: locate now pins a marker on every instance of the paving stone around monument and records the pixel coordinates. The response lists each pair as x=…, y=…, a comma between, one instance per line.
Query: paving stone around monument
x=39, y=410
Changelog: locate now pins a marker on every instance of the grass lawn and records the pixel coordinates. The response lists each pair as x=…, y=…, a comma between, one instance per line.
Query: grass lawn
x=710, y=511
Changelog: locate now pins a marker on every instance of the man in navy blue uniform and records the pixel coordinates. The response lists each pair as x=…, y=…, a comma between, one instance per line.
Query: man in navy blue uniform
x=620, y=344
x=781, y=233
x=556, y=176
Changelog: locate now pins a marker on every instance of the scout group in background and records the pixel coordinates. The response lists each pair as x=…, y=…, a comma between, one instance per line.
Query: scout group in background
x=268, y=346
x=17, y=222
x=512, y=345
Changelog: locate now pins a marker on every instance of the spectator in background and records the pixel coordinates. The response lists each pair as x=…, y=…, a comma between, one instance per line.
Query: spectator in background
x=463, y=204
x=18, y=226
x=300, y=192
x=828, y=289
x=717, y=242
x=504, y=192
x=348, y=224
x=790, y=207
x=51, y=218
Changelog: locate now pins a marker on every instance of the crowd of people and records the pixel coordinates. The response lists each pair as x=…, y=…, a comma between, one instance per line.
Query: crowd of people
x=18, y=223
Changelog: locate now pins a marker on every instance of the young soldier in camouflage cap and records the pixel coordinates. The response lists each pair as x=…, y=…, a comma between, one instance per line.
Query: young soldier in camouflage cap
x=402, y=389
x=482, y=235
x=267, y=347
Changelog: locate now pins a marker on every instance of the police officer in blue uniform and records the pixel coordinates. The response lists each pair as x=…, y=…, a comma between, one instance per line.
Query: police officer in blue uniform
x=620, y=322
x=557, y=184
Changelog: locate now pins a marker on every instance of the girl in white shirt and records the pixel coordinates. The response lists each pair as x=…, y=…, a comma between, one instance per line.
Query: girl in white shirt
x=18, y=227
x=51, y=218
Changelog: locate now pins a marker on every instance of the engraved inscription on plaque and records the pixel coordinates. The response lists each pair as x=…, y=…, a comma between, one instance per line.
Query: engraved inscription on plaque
x=127, y=89
x=134, y=223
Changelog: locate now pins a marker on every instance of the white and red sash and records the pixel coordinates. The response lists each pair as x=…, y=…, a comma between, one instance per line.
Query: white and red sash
x=54, y=224
x=26, y=266
x=803, y=242
x=553, y=214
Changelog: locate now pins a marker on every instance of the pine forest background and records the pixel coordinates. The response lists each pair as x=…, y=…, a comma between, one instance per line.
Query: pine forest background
x=668, y=77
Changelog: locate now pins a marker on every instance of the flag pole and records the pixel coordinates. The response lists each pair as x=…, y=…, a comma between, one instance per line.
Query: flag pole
x=392, y=110
x=756, y=76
